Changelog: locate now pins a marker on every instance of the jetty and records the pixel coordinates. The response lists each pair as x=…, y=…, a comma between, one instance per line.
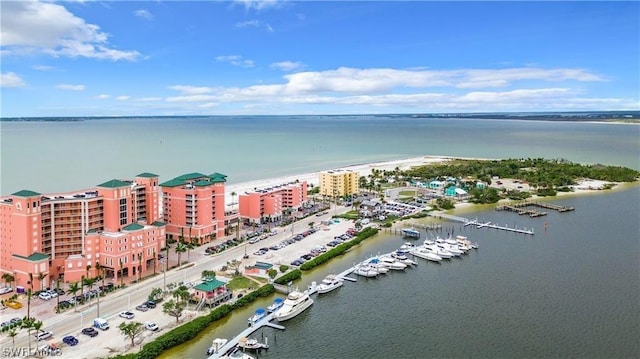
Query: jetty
x=516, y=207
x=475, y=222
x=521, y=211
x=233, y=343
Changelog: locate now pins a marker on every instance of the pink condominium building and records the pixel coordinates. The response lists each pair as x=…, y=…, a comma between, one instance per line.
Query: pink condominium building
x=114, y=228
x=268, y=204
x=194, y=207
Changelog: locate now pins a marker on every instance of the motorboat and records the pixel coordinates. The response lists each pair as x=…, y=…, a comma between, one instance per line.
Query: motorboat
x=252, y=344
x=402, y=258
x=375, y=264
x=295, y=304
x=258, y=316
x=237, y=353
x=392, y=263
x=407, y=246
x=462, y=240
x=440, y=250
x=410, y=233
x=365, y=270
x=277, y=303
x=329, y=283
x=427, y=254
x=216, y=345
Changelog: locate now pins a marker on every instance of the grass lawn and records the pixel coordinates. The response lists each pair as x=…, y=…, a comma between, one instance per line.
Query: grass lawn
x=408, y=193
x=240, y=283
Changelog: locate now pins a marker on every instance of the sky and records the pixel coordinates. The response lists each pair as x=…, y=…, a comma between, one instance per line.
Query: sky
x=163, y=58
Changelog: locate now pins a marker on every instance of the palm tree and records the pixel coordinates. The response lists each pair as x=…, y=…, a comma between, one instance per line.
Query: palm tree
x=89, y=282
x=8, y=278
x=180, y=248
x=139, y=266
x=98, y=268
x=41, y=277
x=88, y=269
x=121, y=271
x=28, y=324
x=155, y=259
x=12, y=334
x=58, y=296
x=37, y=325
x=74, y=287
x=29, y=294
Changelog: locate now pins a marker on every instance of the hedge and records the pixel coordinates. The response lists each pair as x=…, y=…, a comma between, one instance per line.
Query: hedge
x=291, y=276
x=339, y=249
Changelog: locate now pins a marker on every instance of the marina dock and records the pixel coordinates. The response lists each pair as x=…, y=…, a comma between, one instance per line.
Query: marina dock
x=516, y=207
x=222, y=351
x=469, y=222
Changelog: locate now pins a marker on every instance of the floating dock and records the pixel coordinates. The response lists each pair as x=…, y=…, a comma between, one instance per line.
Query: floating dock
x=266, y=321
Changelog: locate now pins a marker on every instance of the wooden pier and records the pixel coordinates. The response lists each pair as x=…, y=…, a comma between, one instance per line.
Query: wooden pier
x=521, y=206
x=521, y=211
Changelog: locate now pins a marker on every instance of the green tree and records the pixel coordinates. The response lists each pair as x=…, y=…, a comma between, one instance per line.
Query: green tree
x=208, y=274
x=89, y=282
x=174, y=309
x=272, y=273
x=235, y=265
x=37, y=326
x=180, y=248
x=74, y=287
x=131, y=330
x=181, y=294
x=12, y=334
x=8, y=278
x=155, y=294
x=41, y=277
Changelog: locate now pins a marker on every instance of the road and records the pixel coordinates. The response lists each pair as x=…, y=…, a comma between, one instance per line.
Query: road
x=71, y=322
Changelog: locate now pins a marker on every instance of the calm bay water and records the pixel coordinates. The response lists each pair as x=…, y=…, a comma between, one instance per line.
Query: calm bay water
x=66, y=156
x=572, y=291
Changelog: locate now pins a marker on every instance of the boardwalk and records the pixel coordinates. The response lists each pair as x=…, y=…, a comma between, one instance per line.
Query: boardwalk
x=545, y=205
x=521, y=211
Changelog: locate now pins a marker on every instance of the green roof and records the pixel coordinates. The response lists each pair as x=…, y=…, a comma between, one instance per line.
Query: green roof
x=203, y=183
x=190, y=176
x=26, y=193
x=35, y=257
x=158, y=224
x=114, y=183
x=132, y=227
x=92, y=231
x=147, y=175
x=173, y=183
x=209, y=286
x=218, y=177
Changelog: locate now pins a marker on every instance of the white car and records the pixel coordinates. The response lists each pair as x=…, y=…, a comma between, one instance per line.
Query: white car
x=127, y=315
x=44, y=295
x=5, y=290
x=151, y=326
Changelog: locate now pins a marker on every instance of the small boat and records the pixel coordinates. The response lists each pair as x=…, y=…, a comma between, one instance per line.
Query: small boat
x=410, y=233
x=296, y=303
x=407, y=246
x=376, y=265
x=402, y=258
x=252, y=344
x=216, y=345
x=258, y=316
x=329, y=283
x=277, y=303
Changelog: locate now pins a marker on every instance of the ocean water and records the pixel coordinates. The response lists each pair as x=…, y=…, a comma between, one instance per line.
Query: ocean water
x=67, y=156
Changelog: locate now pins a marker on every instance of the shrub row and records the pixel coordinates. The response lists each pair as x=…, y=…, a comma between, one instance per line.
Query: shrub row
x=289, y=277
x=191, y=329
x=339, y=249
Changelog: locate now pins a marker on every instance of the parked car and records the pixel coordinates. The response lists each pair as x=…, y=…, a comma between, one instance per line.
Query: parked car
x=44, y=295
x=150, y=304
x=127, y=315
x=5, y=290
x=151, y=326
x=90, y=332
x=42, y=335
x=70, y=340
x=142, y=308
x=15, y=320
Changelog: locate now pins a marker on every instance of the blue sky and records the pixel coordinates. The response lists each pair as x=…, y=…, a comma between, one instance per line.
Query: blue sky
x=100, y=58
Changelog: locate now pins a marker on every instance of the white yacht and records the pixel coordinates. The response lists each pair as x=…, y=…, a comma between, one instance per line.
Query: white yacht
x=375, y=264
x=427, y=254
x=329, y=283
x=407, y=246
x=295, y=304
x=392, y=263
x=402, y=258
x=365, y=270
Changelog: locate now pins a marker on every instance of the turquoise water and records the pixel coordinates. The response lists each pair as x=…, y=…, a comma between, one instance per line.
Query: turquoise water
x=66, y=156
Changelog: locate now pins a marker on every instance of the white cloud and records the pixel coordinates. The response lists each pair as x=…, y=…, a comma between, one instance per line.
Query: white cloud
x=191, y=90
x=287, y=65
x=145, y=14
x=191, y=98
x=34, y=26
x=260, y=4
x=236, y=60
x=42, y=67
x=123, y=98
x=252, y=23
x=103, y=96
x=269, y=27
x=150, y=99
x=11, y=79
x=70, y=87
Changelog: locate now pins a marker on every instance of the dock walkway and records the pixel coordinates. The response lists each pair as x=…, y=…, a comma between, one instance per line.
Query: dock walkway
x=469, y=222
